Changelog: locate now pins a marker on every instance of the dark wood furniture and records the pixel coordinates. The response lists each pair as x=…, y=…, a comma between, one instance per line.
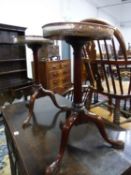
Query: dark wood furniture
x=108, y=74
x=35, y=43
x=13, y=69
x=77, y=34
x=127, y=172
x=69, y=94
x=31, y=149
x=55, y=75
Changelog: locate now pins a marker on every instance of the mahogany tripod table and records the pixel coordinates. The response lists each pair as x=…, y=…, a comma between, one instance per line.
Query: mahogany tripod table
x=77, y=34
x=35, y=43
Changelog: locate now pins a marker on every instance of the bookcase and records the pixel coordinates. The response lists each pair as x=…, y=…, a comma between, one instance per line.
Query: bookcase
x=13, y=69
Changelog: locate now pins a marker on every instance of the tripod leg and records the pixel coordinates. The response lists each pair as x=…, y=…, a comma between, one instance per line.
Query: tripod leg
x=46, y=92
x=100, y=125
x=43, y=92
x=31, y=107
x=55, y=166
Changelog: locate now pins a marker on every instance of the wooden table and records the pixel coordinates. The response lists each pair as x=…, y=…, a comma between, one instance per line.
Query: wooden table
x=32, y=149
x=35, y=43
x=77, y=34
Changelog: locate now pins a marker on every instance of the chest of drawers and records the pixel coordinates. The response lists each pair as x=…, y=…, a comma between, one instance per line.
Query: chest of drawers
x=55, y=75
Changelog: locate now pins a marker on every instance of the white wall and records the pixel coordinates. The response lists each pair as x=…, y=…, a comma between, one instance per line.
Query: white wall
x=126, y=31
x=120, y=17
x=76, y=10
x=105, y=16
x=33, y=14
x=30, y=13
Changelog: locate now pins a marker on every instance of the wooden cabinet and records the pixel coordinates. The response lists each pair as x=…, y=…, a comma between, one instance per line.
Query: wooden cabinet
x=55, y=75
x=13, y=70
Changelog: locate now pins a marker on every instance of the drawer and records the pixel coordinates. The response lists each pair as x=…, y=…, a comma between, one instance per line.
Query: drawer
x=53, y=83
x=58, y=90
x=66, y=71
x=66, y=79
x=61, y=88
x=65, y=65
x=58, y=73
x=54, y=74
x=53, y=66
x=67, y=85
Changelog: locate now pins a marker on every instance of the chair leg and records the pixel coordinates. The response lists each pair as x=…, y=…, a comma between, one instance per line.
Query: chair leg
x=96, y=99
x=89, y=100
x=130, y=106
x=110, y=105
x=125, y=104
x=116, y=117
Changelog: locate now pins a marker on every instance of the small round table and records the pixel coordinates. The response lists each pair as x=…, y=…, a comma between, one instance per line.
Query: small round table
x=35, y=43
x=77, y=34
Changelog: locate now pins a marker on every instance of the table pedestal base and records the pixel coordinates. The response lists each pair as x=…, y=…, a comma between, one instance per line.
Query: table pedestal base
x=77, y=118
x=40, y=91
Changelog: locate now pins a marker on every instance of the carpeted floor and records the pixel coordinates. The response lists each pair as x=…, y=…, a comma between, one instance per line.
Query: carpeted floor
x=4, y=159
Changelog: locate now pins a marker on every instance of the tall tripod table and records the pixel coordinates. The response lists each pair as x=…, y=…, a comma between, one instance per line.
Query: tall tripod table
x=35, y=43
x=77, y=34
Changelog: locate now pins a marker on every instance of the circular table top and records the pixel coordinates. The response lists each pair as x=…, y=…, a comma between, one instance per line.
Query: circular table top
x=32, y=39
x=60, y=30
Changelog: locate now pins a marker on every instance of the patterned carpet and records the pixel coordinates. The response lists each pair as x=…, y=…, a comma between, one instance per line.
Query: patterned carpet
x=4, y=159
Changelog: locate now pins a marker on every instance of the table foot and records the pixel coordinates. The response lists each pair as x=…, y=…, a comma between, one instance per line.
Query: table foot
x=54, y=167
x=76, y=119
x=40, y=91
x=117, y=144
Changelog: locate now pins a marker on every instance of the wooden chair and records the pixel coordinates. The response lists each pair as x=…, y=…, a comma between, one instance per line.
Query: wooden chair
x=69, y=94
x=108, y=73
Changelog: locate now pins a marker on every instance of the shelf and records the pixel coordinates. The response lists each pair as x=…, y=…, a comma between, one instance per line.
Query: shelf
x=15, y=83
x=13, y=71
x=13, y=67
x=10, y=60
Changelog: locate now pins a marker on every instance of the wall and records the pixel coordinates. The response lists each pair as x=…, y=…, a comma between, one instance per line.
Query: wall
x=126, y=31
x=105, y=16
x=120, y=17
x=30, y=13
x=77, y=10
